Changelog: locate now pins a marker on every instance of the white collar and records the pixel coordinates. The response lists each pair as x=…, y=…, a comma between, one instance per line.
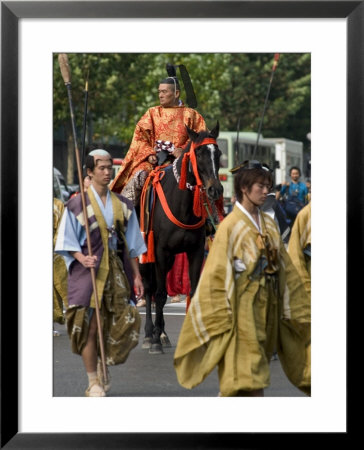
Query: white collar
x=96, y=194
x=257, y=225
x=98, y=198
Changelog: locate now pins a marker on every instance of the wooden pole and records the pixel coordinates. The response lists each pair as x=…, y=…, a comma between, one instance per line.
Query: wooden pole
x=275, y=63
x=83, y=142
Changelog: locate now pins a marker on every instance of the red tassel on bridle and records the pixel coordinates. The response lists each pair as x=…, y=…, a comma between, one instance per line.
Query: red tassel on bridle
x=219, y=203
x=199, y=194
x=197, y=207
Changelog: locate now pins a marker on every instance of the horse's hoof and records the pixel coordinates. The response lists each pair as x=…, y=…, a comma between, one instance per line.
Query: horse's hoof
x=147, y=343
x=156, y=349
x=165, y=340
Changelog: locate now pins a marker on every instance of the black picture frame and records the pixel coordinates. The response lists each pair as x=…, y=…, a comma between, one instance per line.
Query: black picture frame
x=11, y=12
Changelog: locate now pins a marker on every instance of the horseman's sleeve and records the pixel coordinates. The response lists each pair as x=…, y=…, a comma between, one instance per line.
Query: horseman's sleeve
x=197, y=122
x=207, y=328
x=142, y=146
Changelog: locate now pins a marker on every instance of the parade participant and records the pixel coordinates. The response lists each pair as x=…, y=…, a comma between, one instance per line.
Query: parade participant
x=299, y=246
x=59, y=271
x=116, y=243
x=294, y=193
x=273, y=207
x=249, y=302
x=163, y=124
x=161, y=128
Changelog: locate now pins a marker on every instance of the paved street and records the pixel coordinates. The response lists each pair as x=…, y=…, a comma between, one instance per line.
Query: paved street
x=145, y=375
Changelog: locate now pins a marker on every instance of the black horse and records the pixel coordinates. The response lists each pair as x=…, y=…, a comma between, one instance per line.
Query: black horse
x=170, y=238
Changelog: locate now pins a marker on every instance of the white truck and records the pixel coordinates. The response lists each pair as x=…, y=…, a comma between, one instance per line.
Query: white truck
x=279, y=153
x=288, y=153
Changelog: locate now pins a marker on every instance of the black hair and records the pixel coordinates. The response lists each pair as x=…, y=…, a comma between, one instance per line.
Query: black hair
x=173, y=81
x=295, y=168
x=91, y=162
x=245, y=178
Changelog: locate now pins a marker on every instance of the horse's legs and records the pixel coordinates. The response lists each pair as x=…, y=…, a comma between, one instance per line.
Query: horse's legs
x=195, y=260
x=163, y=264
x=146, y=271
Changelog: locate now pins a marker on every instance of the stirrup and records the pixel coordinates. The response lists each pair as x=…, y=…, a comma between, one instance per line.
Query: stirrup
x=100, y=375
x=95, y=393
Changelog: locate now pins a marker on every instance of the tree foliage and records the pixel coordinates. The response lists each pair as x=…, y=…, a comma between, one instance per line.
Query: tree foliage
x=228, y=87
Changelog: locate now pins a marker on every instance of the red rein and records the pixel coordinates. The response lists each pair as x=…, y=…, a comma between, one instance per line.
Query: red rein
x=199, y=198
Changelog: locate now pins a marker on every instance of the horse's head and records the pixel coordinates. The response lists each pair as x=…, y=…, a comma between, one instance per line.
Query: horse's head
x=208, y=160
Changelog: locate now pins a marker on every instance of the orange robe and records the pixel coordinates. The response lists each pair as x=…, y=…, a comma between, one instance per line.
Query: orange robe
x=167, y=124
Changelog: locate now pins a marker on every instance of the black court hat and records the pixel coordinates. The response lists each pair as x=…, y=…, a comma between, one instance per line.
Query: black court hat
x=252, y=164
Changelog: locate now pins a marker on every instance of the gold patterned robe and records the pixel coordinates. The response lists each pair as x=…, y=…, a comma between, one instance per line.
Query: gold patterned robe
x=59, y=269
x=166, y=124
x=240, y=314
x=299, y=246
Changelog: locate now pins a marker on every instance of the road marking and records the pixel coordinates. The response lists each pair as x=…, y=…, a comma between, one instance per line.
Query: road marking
x=164, y=314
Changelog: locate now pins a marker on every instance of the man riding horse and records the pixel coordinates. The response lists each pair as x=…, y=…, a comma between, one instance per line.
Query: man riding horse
x=162, y=126
x=184, y=194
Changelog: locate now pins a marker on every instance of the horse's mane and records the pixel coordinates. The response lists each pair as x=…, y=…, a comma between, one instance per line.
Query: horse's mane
x=202, y=135
x=199, y=138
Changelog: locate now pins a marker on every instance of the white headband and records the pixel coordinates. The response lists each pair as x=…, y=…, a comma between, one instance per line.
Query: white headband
x=175, y=84
x=99, y=152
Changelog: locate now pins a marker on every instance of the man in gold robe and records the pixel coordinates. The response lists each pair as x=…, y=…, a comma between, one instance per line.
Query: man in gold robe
x=166, y=123
x=249, y=302
x=59, y=270
x=299, y=246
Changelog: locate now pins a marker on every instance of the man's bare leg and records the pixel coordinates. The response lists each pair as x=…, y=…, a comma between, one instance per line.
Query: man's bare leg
x=89, y=356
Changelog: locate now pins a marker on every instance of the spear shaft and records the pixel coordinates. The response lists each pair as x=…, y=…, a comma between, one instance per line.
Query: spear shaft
x=66, y=74
x=275, y=63
x=84, y=122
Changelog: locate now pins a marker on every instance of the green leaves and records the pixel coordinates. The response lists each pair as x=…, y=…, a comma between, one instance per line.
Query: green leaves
x=228, y=86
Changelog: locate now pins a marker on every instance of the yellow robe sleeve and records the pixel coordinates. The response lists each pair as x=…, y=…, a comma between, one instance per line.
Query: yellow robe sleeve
x=294, y=339
x=300, y=238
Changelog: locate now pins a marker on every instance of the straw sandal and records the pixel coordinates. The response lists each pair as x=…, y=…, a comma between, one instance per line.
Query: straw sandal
x=95, y=389
x=141, y=302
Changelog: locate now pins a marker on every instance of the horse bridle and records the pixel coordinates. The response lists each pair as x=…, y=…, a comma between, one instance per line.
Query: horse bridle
x=205, y=141
x=177, y=176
